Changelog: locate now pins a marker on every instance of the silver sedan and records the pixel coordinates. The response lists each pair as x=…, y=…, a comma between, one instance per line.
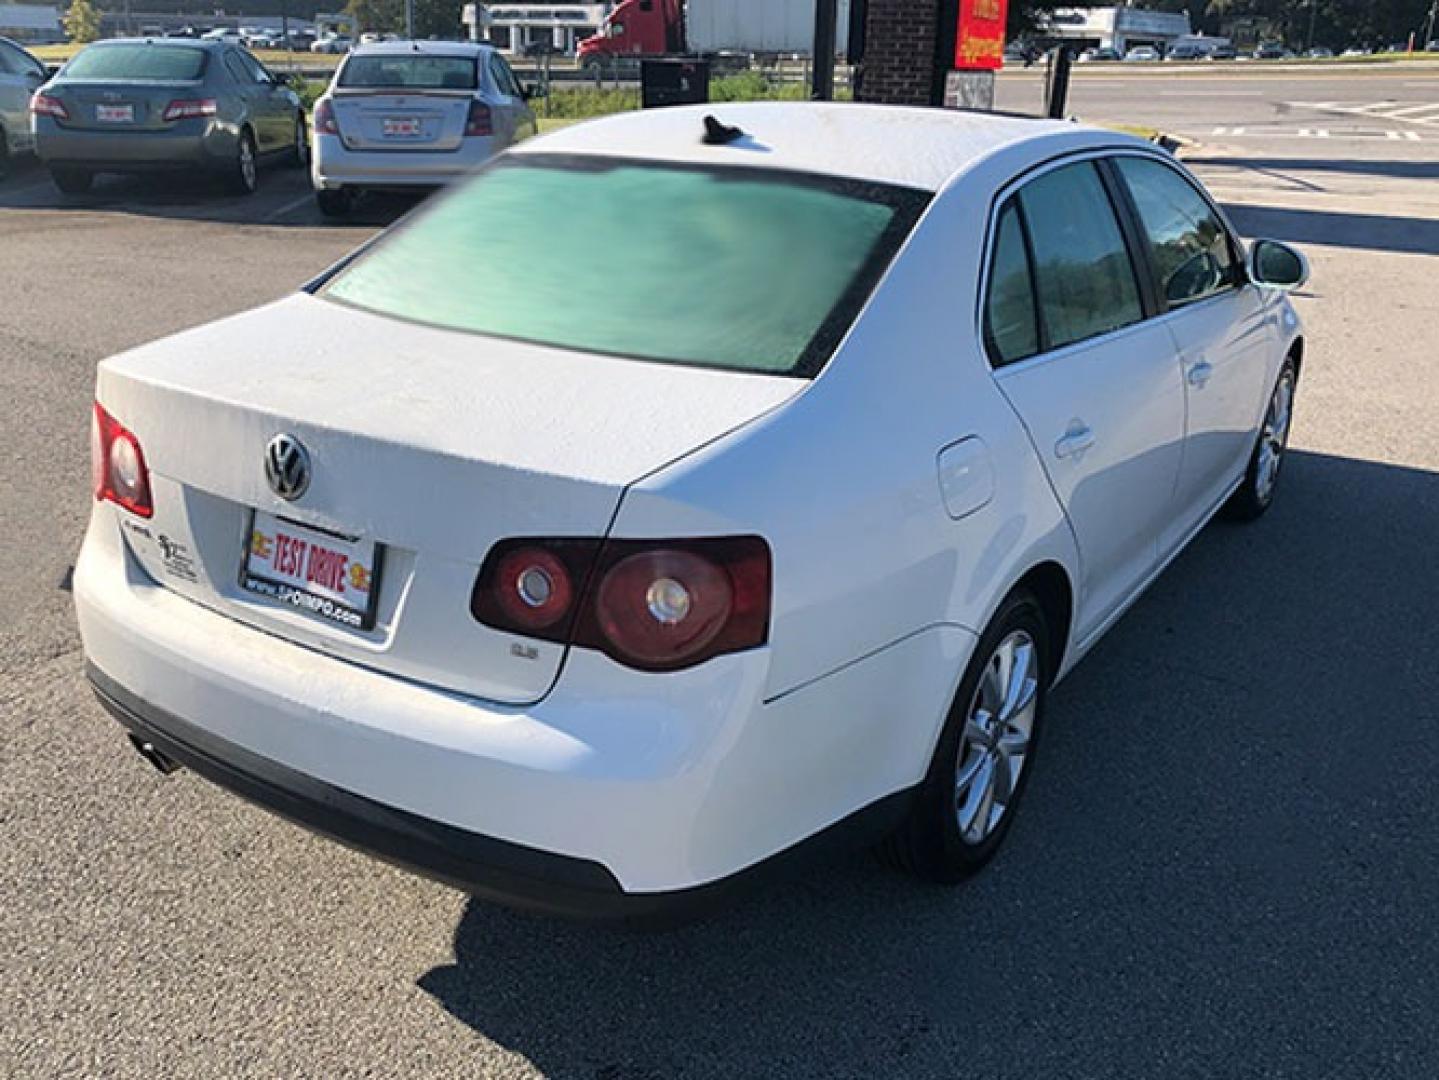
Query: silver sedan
x=413, y=114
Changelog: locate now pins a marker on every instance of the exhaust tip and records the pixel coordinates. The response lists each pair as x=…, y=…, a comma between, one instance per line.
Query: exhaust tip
x=163, y=763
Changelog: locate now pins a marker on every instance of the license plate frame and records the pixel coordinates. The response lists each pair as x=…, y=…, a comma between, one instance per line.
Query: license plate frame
x=115, y=114
x=402, y=127
x=266, y=562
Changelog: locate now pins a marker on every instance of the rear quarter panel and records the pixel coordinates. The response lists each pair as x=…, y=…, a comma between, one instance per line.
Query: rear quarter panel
x=843, y=480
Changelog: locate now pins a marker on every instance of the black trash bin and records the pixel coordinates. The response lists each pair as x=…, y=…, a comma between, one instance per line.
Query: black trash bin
x=674, y=82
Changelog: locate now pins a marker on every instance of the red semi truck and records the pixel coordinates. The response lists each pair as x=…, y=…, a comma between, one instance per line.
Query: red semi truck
x=653, y=28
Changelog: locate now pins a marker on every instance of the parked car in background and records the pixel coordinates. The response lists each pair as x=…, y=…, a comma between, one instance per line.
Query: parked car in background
x=1223, y=52
x=1188, y=51
x=332, y=44
x=591, y=592
x=225, y=35
x=414, y=114
x=1358, y=50
x=1320, y=52
x=1099, y=56
x=132, y=106
x=257, y=39
x=1273, y=50
x=1142, y=54
x=21, y=74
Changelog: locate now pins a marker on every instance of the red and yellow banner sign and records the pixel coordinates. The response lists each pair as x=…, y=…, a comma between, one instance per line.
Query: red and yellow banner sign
x=980, y=42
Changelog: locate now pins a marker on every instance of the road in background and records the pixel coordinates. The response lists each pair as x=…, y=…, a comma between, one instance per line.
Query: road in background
x=1225, y=867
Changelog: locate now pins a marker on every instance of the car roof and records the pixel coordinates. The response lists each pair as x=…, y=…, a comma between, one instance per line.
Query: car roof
x=910, y=147
x=422, y=48
x=160, y=43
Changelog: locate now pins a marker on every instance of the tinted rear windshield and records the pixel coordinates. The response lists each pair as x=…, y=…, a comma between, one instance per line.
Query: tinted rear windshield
x=159, y=63
x=411, y=72
x=739, y=268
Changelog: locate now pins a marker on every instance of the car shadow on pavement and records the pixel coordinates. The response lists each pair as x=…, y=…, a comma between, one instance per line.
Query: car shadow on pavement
x=1370, y=232
x=1224, y=865
x=284, y=198
x=1392, y=169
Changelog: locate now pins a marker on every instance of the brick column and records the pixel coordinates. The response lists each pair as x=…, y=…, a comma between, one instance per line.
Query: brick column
x=899, y=52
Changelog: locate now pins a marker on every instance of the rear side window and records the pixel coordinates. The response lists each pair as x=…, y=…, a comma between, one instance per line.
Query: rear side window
x=146, y=63
x=1083, y=275
x=504, y=77
x=1188, y=244
x=408, y=72
x=740, y=268
x=1011, y=323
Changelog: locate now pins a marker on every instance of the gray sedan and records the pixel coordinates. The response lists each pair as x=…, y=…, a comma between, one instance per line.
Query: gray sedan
x=144, y=105
x=20, y=76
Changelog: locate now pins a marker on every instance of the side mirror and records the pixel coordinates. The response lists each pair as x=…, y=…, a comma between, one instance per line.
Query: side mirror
x=1277, y=266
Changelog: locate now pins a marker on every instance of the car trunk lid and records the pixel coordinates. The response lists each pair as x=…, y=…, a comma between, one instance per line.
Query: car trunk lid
x=430, y=444
x=413, y=122
x=122, y=106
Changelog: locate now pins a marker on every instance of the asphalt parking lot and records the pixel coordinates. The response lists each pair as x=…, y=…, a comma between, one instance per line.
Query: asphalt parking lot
x=1226, y=865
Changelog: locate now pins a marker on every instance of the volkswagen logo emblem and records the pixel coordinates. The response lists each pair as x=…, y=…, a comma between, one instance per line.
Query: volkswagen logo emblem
x=287, y=467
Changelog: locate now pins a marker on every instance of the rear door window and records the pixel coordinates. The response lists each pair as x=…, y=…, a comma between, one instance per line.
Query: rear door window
x=138, y=62
x=1011, y=322
x=1188, y=244
x=1083, y=274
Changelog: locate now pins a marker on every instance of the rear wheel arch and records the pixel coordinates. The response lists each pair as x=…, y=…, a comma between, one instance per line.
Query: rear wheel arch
x=1049, y=583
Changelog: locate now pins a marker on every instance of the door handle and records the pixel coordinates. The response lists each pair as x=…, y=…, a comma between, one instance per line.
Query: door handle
x=1199, y=373
x=1075, y=441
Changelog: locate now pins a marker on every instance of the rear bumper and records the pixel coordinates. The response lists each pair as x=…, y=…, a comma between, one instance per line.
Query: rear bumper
x=617, y=796
x=190, y=144
x=335, y=166
x=497, y=870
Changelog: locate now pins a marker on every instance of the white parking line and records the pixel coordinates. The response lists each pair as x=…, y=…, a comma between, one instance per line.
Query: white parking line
x=1411, y=110
x=292, y=205
x=1211, y=93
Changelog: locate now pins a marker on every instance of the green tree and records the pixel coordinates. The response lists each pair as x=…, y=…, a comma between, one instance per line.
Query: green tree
x=433, y=18
x=82, y=22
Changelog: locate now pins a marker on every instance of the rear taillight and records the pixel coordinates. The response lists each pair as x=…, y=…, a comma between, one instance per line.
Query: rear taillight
x=45, y=105
x=117, y=465
x=656, y=605
x=479, y=121
x=191, y=109
x=325, y=123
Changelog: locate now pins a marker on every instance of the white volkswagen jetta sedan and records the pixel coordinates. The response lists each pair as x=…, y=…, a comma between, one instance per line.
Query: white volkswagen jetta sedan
x=677, y=491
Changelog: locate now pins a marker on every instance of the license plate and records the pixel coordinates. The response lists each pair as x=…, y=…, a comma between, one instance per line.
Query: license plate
x=115, y=114
x=321, y=574
x=401, y=129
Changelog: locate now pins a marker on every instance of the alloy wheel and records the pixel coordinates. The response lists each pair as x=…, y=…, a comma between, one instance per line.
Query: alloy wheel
x=1274, y=438
x=996, y=739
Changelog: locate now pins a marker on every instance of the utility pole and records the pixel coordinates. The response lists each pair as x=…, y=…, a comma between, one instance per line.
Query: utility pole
x=1429, y=34
x=410, y=19
x=822, y=73
x=1313, y=12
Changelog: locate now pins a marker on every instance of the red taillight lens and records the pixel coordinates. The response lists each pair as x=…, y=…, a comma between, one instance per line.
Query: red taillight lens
x=656, y=605
x=117, y=465
x=45, y=105
x=480, y=121
x=190, y=110
x=325, y=123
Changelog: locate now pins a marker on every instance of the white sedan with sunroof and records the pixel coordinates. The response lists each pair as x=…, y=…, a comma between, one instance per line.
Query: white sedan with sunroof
x=682, y=492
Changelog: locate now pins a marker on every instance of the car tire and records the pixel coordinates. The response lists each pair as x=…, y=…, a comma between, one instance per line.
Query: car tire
x=300, y=156
x=243, y=175
x=1255, y=493
x=72, y=181
x=335, y=202
x=4, y=154
x=985, y=752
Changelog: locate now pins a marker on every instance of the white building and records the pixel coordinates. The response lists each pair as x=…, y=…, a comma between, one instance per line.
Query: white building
x=37, y=23
x=1120, y=28
x=519, y=28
